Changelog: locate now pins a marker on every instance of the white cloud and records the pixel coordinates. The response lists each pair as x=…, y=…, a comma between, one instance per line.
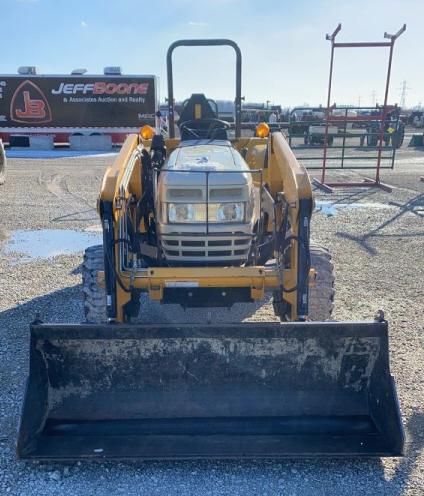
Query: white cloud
x=83, y=24
x=197, y=23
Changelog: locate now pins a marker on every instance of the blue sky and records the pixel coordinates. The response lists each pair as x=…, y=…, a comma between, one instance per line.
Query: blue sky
x=285, y=54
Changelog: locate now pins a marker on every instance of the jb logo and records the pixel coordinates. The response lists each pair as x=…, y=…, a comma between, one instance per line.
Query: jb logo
x=29, y=105
x=34, y=109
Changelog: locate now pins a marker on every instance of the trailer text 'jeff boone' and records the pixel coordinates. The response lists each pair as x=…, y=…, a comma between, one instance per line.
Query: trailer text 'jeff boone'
x=102, y=87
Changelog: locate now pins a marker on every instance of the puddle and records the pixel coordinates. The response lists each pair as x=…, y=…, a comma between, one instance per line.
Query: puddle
x=330, y=208
x=59, y=153
x=48, y=243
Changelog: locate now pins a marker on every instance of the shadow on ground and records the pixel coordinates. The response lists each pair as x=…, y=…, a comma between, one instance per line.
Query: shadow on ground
x=414, y=206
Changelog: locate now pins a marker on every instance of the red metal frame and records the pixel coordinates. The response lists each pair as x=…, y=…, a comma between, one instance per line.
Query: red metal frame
x=327, y=186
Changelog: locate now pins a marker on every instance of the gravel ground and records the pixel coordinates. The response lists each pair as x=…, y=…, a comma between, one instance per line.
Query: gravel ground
x=379, y=258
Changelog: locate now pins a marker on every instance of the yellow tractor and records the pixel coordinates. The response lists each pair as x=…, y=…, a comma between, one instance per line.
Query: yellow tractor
x=208, y=219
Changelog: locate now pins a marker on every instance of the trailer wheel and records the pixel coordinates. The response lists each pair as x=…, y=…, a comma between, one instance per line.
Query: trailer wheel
x=321, y=291
x=2, y=164
x=94, y=296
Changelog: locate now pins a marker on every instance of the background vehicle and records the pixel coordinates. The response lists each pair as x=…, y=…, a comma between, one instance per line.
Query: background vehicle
x=416, y=118
x=315, y=135
x=61, y=106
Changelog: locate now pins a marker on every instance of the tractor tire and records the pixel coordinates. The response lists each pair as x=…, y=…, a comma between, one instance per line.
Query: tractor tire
x=397, y=138
x=282, y=308
x=94, y=296
x=321, y=290
x=372, y=140
x=2, y=164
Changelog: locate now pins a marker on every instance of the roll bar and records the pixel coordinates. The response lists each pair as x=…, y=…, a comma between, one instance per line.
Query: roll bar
x=201, y=42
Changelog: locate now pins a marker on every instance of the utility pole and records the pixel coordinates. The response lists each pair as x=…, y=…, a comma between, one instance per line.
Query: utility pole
x=373, y=98
x=403, y=92
x=359, y=100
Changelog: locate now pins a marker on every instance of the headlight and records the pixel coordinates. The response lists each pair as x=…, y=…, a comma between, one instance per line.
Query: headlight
x=180, y=213
x=186, y=212
x=230, y=212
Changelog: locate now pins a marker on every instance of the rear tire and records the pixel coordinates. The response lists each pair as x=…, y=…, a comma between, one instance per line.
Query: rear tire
x=2, y=164
x=93, y=295
x=321, y=291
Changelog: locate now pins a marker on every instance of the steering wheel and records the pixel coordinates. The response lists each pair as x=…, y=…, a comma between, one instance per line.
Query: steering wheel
x=214, y=125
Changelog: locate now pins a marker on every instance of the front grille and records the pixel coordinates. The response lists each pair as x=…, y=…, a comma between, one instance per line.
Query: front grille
x=224, y=243
x=189, y=243
x=206, y=248
x=226, y=194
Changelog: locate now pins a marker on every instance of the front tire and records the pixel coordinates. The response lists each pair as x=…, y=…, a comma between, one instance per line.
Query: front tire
x=94, y=296
x=321, y=290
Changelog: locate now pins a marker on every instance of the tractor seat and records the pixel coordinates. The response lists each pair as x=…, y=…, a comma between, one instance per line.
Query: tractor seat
x=199, y=119
x=203, y=129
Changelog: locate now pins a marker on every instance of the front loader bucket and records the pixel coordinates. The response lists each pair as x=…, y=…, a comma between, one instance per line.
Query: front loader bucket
x=199, y=391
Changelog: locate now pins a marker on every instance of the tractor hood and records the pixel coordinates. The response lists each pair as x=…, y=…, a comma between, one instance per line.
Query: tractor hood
x=191, y=159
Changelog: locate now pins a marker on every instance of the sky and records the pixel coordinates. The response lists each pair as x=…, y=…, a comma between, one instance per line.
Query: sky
x=285, y=53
